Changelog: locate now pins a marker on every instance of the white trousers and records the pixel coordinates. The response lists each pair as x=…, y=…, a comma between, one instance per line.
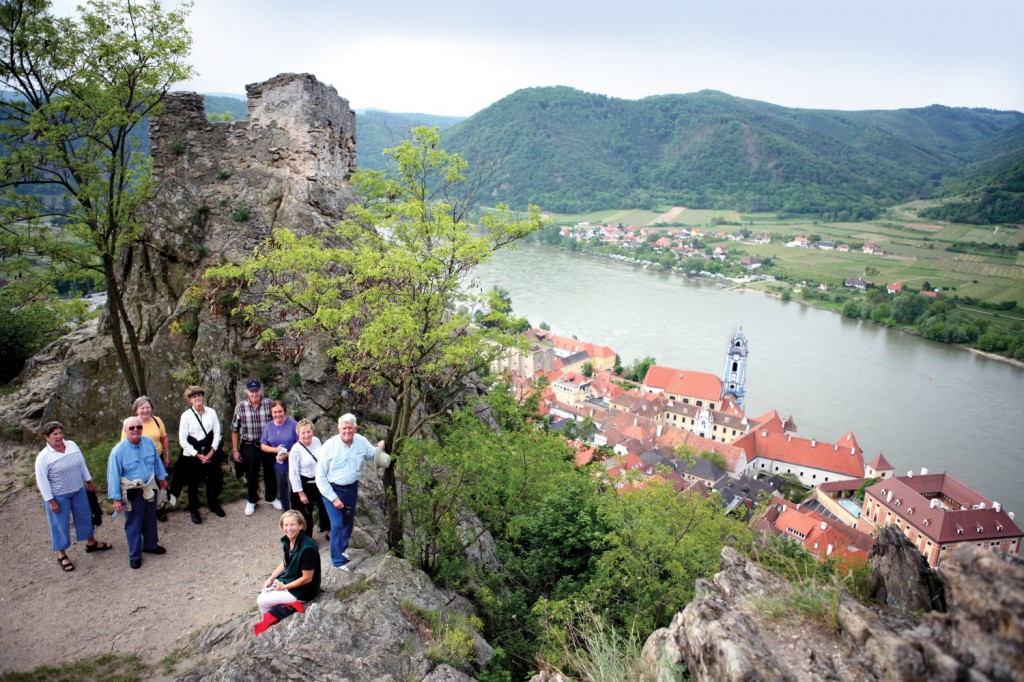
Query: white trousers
x=270, y=598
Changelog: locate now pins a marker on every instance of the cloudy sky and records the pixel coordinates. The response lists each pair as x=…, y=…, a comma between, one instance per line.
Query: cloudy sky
x=457, y=57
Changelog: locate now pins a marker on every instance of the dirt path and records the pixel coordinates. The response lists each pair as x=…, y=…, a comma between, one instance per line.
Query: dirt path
x=670, y=215
x=211, y=572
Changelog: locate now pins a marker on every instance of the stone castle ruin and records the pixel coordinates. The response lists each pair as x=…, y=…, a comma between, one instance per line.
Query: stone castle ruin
x=221, y=188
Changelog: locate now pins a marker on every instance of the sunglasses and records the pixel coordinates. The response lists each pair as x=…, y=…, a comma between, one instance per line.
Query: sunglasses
x=133, y=428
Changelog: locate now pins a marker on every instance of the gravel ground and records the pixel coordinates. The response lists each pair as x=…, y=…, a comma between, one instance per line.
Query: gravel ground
x=211, y=573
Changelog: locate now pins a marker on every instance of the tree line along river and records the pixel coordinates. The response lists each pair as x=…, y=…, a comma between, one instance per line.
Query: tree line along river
x=921, y=403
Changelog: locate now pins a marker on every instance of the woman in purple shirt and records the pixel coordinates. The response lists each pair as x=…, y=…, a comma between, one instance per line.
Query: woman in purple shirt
x=279, y=435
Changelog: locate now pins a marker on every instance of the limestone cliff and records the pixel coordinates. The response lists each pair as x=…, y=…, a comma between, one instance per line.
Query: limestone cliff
x=724, y=635
x=221, y=189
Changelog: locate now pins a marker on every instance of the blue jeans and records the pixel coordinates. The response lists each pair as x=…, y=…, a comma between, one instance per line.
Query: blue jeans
x=73, y=505
x=140, y=524
x=342, y=520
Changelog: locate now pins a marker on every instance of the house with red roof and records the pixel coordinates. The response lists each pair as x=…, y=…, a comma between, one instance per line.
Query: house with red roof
x=822, y=538
x=894, y=288
x=938, y=513
x=571, y=388
x=697, y=388
x=879, y=468
x=813, y=462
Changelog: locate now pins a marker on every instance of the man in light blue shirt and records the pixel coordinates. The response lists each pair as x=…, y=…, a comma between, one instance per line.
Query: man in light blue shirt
x=337, y=476
x=137, y=461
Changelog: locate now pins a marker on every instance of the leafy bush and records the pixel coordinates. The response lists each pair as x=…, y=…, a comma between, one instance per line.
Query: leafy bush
x=27, y=325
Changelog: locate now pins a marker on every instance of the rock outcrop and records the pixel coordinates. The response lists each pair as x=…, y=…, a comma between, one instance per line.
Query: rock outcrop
x=220, y=190
x=358, y=629
x=724, y=633
x=900, y=575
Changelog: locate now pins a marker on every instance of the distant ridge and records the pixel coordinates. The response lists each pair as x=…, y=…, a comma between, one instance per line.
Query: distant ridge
x=377, y=130
x=571, y=151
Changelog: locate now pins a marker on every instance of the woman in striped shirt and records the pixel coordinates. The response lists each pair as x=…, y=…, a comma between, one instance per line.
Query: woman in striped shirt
x=63, y=477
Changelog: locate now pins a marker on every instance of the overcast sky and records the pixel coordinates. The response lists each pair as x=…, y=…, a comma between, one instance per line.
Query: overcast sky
x=456, y=57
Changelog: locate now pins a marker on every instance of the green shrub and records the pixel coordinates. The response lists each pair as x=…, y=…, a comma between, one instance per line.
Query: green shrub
x=223, y=174
x=235, y=368
x=241, y=212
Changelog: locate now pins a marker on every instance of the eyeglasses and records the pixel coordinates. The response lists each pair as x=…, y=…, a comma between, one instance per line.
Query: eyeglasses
x=133, y=428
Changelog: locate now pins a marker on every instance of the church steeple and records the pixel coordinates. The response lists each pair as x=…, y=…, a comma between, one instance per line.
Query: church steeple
x=735, y=376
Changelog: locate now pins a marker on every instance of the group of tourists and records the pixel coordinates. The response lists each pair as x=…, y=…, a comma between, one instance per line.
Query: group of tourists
x=302, y=476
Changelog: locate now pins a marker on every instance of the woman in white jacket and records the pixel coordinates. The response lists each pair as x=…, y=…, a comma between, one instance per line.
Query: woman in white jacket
x=302, y=474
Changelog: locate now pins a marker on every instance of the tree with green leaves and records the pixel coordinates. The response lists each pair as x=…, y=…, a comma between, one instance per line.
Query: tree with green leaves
x=390, y=288
x=72, y=177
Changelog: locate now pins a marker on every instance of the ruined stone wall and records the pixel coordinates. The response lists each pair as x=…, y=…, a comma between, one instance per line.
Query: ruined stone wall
x=221, y=188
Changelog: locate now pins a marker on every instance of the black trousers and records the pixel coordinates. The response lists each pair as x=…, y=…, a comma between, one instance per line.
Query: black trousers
x=254, y=459
x=315, y=500
x=190, y=472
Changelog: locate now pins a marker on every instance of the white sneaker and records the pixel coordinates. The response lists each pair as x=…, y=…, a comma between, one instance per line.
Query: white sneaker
x=172, y=501
x=347, y=557
x=276, y=504
x=250, y=508
x=345, y=567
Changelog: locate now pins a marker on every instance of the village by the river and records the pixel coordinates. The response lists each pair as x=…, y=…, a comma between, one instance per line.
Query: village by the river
x=918, y=404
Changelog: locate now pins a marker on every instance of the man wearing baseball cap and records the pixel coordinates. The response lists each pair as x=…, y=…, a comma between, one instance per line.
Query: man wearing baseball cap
x=251, y=415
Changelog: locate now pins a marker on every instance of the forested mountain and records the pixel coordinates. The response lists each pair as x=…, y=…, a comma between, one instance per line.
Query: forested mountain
x=990, y=191
x=220, y=104
x=377, y=130
x=569, y=150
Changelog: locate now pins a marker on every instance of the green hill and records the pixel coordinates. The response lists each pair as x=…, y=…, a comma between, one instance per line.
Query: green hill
x=377, y=130
x=234, y=105
x=572, y=151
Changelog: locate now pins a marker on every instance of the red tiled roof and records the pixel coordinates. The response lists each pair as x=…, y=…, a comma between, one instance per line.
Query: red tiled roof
x=915, y=495
x=677, y=382
x=841, y=486
x=880, y=463
x=846, y=543
x=844, y=457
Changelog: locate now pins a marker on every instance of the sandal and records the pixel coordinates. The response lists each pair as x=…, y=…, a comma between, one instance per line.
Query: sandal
x=97, y=547
x=65, y=563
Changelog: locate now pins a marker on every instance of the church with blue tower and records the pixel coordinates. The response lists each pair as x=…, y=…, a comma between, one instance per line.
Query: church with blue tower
x=735, y=377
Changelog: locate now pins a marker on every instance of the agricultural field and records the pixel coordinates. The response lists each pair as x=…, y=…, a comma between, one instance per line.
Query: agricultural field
x=915, y=253
x=676, y=216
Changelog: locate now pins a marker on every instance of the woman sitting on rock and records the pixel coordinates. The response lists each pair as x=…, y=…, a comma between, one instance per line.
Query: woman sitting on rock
x=297, y=577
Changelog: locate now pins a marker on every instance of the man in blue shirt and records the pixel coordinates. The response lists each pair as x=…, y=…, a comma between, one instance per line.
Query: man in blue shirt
x=337, y=476
x=134, y=470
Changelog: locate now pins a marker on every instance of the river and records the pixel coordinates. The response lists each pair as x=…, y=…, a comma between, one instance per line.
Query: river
x=921, y=403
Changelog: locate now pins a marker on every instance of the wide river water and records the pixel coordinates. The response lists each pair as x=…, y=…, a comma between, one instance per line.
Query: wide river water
x=922, y=404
